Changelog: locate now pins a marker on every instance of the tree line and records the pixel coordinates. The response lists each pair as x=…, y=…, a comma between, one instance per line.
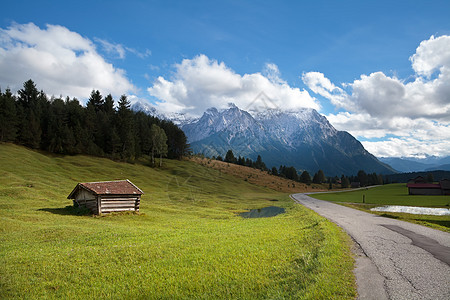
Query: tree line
x=362, y=178
x=282, y=171
x=100, y=128
x=242, y=161
x=429, y=176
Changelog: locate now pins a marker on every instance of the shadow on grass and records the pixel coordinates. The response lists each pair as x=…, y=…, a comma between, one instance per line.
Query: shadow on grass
x=423, y=220
x=69, y=210
x=442, y=223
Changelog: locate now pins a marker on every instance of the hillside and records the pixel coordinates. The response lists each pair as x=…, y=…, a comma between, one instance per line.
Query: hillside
x=259, y=177
x=186, y=241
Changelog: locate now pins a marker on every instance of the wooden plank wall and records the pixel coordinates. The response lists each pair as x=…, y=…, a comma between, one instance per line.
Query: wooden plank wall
x=114, y=203
x=107, y=203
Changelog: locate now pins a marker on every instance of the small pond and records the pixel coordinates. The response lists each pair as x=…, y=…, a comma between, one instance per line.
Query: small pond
x=413, y=210
x=265, y=212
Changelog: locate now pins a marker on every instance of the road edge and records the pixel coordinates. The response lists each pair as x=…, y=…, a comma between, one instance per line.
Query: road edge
x=370, y=284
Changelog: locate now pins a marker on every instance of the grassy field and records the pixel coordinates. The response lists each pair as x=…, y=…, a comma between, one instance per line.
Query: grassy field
x=393, y=194
x=186, y=243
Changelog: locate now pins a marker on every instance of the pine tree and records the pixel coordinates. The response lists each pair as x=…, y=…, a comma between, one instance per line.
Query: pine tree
x=363, y=178
x=259, y=164
x=158, y=143
x=108, y=105
x=30, y=112
x=345, y=183
x=125, y=126
x=55, y=135
x=28, y=95
x=76, y=122
x=162, y=145
x=380, y=179
x=248, y=162
x=316, y=178
x=321, y=176
x=143, y=125
x=109, y=141
x=8, y=117
x=97, y=129
x=305, y=177
x=289, y=172
x=274, y=171
x=95, y=101
x=229, y=157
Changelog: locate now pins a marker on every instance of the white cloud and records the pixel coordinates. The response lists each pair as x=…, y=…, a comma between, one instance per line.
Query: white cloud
x=272, y=72
x=116, y=49
x=58, y=60
x=409, y=147
x=416, y=113
x=139, y=54
x=359, y=125
x=385, y=97
x=120, y=50
x=200, y=83
x=431, y=55
x=321, y=85
x=399, y=136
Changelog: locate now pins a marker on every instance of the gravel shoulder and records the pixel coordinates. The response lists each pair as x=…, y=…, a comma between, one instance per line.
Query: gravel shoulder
x=394, y=259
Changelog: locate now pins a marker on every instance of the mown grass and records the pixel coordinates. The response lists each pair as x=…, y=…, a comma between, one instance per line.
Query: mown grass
x=393, y=194
x=187, y=242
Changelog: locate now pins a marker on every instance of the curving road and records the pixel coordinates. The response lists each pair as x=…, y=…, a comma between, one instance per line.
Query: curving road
x=395, y=259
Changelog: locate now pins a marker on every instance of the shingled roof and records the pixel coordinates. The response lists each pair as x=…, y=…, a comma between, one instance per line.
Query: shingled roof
x=119, y=187
x=424, y=185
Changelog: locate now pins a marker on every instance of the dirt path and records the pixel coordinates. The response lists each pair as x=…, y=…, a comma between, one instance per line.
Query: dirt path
x=395, y=259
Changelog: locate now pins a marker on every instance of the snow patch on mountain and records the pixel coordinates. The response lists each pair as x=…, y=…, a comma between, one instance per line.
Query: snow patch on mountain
x=303, y=138
x=179, y=119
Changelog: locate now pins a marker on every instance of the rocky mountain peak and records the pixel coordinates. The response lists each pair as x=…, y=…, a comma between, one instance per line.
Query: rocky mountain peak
x=302, y=138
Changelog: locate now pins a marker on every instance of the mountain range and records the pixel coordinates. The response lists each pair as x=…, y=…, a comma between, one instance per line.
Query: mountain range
x=303, y=139
x=411, y=164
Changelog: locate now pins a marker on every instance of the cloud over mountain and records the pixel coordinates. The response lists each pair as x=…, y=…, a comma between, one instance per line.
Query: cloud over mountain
x=62, y=61
x=201, y=82
x=417, y=112
x=391, y=116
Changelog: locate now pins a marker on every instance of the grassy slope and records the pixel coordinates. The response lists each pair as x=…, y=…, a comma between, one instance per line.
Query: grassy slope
x=259, y=177
x=187, y=242
x=394, y=194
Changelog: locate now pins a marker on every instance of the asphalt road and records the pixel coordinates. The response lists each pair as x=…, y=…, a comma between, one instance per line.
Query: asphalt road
x=394, y=259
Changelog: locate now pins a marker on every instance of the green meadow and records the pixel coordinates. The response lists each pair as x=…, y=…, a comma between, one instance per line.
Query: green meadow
x=393, y=194
x=187, y=241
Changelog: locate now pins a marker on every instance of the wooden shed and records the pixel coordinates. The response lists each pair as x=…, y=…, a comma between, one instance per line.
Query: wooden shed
x=107, y=196
x=424, y=189
x=445, y=186
x=418, y=187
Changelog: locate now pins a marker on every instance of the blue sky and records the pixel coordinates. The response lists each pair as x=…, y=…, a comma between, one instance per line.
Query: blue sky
x=366, y=65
